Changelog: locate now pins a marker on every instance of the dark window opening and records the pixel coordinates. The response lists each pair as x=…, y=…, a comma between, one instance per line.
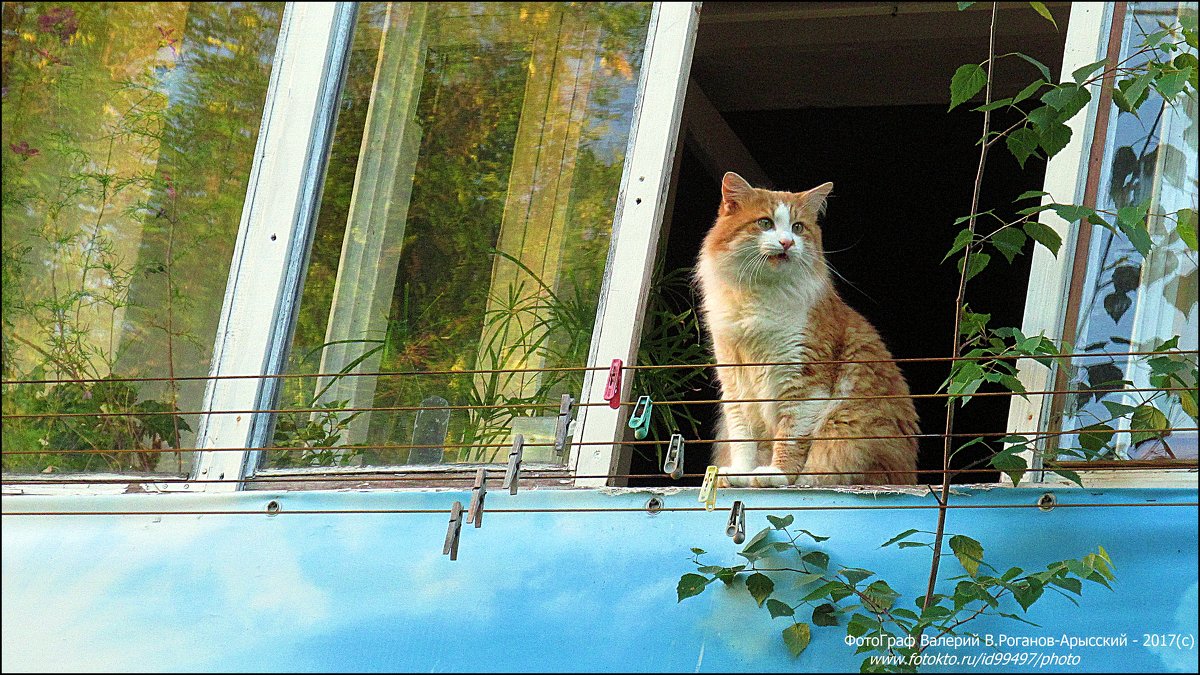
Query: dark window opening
x=855, y=94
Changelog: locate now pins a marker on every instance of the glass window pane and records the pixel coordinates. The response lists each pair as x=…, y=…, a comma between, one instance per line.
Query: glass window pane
x=464, y=226
x=128, y=136
x=1131, y=302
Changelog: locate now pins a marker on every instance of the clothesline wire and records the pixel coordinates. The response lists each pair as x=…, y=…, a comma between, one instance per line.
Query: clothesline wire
x=561, y=369
x=687, y=441
x=611, y=509
x=468, y=475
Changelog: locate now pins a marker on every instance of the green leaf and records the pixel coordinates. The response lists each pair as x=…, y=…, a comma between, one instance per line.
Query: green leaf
x=964, y=5
x=903, y=535
x=1040, y=8
x=1054, y=139
x=960, y=242
x=1038, y=64
x=1095, y=436
x=1009, y=241
x=968, y=551
x=1171, y=84
x=880, y=596
x=780, y=523
x=1022, y=143
x=1032, y=194
x=1084, y=72
x=1185, y=226
x=911, y=544
x=978, y=262
x=814, y=537
x=1072, y=213
x=823, y=591
x=968, y=80
x=1145, y=417
x=861, y=624
x=757, y=545
x=699, y=551
x=778, y=609
x=1070, y=583
x=825, y=615
x=1011, y=463
x=816, y=558
x=760, y=586
x=1027, y=593
x=855, y=575
x=1131, y=93
x=797, y=637
x=1044, y=235
x=691, y=584
x=993, y=105
x=1067, y=98
x=1117, y=409
x=1028, y=91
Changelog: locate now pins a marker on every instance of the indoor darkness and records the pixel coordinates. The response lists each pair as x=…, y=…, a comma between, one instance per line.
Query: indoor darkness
x=901, y=176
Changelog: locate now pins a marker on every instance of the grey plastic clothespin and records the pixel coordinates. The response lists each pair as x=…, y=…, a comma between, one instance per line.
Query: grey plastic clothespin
x=453, y=531
x=564, y=422
x=736, y=527
x=513, y=475
x=475, y=513
x=673, y=464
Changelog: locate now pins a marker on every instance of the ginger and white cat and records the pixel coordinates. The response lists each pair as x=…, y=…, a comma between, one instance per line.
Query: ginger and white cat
x=767, y=298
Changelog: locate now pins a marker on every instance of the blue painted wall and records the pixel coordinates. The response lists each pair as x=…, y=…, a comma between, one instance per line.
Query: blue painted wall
x=533, y=591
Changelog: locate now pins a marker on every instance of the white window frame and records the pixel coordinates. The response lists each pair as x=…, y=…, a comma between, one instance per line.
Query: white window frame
x=1050, y=276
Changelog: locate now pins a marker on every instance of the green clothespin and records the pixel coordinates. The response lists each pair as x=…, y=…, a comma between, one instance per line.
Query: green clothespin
x=639, y=419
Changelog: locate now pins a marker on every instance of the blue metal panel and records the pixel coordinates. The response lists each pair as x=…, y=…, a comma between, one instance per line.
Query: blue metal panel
x=534, y=591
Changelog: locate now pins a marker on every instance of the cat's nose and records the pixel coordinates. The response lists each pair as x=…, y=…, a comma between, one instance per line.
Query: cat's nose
x=786, y=243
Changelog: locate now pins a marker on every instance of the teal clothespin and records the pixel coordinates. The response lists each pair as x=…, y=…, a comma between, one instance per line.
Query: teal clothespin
x=639, y=419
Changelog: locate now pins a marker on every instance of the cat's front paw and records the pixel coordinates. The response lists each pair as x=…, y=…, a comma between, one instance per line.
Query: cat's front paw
x=725, y=480
x=769, y=476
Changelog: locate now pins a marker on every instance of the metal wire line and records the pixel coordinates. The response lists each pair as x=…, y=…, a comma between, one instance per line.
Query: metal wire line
x=962, y=434
x=611, y=509
x=586, y=404
x=469, y=475
x=575, y=369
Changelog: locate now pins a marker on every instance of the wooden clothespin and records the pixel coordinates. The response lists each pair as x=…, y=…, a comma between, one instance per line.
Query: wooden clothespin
x=513, y=475
x=639, y=419
x=673, y=464
x=708, y=489
x=564, y=423
x=612, y=388
x=736, y=527
x=453, y=531
x=475, y=513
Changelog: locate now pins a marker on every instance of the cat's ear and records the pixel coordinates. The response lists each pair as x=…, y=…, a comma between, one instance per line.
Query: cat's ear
x=812, y=202
x=734, y=190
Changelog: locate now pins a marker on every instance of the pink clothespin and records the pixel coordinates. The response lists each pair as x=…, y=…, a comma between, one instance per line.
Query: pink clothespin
x=612, y=389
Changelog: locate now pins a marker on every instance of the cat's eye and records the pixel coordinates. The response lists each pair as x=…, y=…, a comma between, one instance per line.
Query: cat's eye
x=766, y=223
x=797, y=227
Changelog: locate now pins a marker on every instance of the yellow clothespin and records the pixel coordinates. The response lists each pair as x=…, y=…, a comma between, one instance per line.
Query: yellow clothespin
x=708, y=489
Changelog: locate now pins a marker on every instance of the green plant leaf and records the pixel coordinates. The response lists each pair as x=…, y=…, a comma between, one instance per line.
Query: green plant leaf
x=978, y=263
x=1170, y=84
x=1185, y=226
x=1029, y=90
x=780, y=523
x=1095, y=436
x=960, y=242
x=968, y=80
x=1068, y=98
x=1038, y=64
x=691, y=584
x=1011, y=463
x=1022, y=143
x=964, y=5
x=1054, y=138
x=778, y=609
x=814, y=537
x=854, y=575
x=760, y=586
x=880, y=596
x=1009, y=241
x=1027, y=593
x=1084, y=72
x=816, y=558
x=1044, y=235
x=797, y=637
x=824, y=615
x=903, y=535
x=1146, y=417
x=968, y=551
x=1040, y=8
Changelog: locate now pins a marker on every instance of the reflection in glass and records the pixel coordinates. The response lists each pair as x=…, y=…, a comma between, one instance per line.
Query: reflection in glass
x=128, y=134
x=1130, y=302
x=464, y=225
